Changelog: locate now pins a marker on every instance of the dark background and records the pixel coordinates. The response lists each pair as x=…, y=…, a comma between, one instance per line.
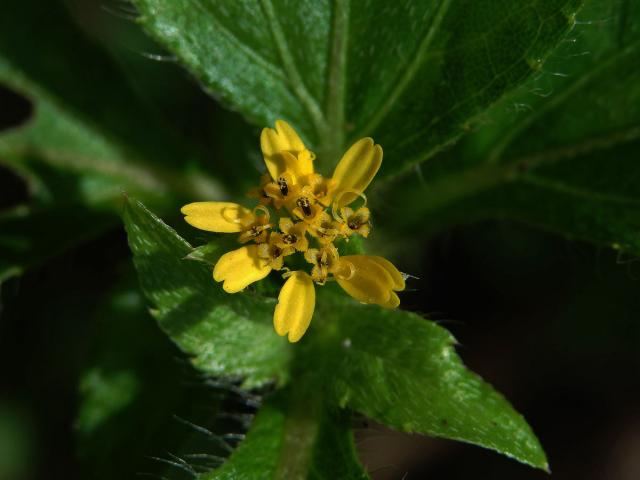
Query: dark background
x=551, y=323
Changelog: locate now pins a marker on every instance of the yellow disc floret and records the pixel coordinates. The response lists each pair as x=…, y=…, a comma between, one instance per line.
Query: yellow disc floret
x=324, y=260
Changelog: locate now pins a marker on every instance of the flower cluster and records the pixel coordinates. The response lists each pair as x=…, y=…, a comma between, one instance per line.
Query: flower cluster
x=313, y=213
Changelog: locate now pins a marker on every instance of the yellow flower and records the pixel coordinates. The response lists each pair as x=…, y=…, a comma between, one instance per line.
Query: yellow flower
x=306, y=207
x=321, y=188
x=274, y=251
x=283, y=191
x=288, y=161
x=255, y=227
x=351, y=222
x=324, y=228
x=314, y=205
x=324, y=261
x=293, y=235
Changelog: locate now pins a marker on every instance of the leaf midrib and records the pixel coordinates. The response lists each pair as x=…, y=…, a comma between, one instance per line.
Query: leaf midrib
x=333, y=136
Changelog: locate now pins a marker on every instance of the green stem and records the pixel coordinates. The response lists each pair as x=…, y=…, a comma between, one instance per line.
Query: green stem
x=300, y=434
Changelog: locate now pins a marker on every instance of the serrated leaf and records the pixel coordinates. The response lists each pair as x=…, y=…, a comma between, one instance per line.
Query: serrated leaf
x=287, y=443
x=562, y=153
x=393, y=366
x=414, y=75
x=228, y=335
x=402, y=370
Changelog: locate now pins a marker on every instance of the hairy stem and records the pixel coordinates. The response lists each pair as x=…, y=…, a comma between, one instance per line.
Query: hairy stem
x=300, y=434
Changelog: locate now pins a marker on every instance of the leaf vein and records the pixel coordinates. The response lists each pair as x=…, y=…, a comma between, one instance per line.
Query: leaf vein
x=563, y=187
x=266, y=64
x=293, y=75
x=411, y=71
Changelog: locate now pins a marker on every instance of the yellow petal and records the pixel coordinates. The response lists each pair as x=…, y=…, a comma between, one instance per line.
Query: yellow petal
x=393, y=301
x=239, y=268
x=296, y=303
x=365, y=280
x=304, y=163
x=290, y=163
x=222, y=217
x=396, y=276
x=274, y=142
x=356, y=169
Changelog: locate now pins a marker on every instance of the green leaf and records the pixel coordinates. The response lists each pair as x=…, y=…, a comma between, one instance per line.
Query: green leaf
x=402, y=370
x=393, y=366
x=228, y=335
x=415, y=76
x=209, y=253
x=568, y=161
x=87, y=121
x=89, y=138
x=294, y=442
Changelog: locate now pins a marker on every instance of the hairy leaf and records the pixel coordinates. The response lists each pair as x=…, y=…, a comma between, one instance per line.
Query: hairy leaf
x=228, y=335
x=402, y=370
x=414, y=75
x=561, y=153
